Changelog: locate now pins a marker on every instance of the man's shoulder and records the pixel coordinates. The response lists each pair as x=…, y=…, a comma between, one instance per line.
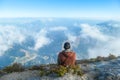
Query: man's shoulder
x=63, y=52
x=72, y=52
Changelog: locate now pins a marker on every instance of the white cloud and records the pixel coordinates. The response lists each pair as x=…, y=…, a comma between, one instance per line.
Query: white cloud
x=28, y=57
x=116, y=25
x=13, y=34
x=73, y=39
x=93, y=32
x=105, y=45
x=104, y=49
x=41, y=39
x=8, y=36
x=45, y=57
x=58, y=28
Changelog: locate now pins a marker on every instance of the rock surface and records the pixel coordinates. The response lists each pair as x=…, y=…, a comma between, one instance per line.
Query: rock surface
x=106, y=70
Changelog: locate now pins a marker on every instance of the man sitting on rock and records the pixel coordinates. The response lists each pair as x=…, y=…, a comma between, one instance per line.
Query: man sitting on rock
x=67, y=57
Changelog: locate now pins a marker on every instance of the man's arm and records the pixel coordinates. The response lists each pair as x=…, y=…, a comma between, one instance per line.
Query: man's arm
x=74, y=58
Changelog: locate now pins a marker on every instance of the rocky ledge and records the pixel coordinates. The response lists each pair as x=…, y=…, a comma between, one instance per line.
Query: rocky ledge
x=98, y=70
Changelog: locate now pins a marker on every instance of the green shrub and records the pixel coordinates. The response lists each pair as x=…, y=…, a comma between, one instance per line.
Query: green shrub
x=76, y=70
x=61, y=71
x=16, y=67
x=44, y=71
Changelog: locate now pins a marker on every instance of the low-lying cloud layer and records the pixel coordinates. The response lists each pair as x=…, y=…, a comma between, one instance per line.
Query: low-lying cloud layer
x=43, y=42
x=8, y=36
x=93, y=32
x=105, y=44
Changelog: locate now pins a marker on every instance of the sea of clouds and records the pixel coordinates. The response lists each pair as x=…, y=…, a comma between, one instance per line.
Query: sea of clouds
x=40, y=40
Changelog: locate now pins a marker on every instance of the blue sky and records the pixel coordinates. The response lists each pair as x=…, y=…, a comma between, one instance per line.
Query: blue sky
x=109, y=9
